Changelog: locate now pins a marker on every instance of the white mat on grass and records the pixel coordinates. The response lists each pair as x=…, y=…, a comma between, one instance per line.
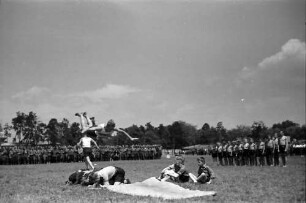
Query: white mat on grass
x=154, y=188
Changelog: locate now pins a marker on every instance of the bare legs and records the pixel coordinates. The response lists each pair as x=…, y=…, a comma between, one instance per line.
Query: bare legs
x=84, y=121
x=88, y=163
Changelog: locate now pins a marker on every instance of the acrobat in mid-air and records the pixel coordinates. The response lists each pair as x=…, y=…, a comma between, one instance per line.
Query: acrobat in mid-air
x=88, y=126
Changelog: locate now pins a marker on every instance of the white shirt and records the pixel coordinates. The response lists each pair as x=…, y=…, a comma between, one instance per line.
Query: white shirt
x=106, y=173
x=86, y=141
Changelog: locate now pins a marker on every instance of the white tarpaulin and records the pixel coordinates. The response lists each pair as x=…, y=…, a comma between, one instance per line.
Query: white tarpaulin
x=155, y=188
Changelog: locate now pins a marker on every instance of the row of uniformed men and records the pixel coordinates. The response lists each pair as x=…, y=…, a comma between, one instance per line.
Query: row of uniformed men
x=48, y=154
x=264, y=152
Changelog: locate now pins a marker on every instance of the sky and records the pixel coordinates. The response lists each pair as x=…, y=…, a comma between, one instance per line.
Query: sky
x=154, y=61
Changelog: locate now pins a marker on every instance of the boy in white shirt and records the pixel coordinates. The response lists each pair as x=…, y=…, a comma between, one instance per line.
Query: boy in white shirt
x=86, y=143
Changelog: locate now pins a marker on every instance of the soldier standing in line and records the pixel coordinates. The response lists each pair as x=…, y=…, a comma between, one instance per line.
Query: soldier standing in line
x=230, y=153
x=283, y=147
x=44, y=155
x=235, y=153
x=225, y=154
x=252, y=153
x=269, y=151
x=261, y=152
x=214, y=154
x=240, y=153
x=50, y=151
x=220, y=153
x=276, y=150
x=246, y=158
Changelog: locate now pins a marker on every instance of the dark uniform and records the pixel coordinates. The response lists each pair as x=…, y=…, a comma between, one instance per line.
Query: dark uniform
x=246, y=158
x=208, y=174
x=269, y=151
x=220, y=154
x=283, y=148
x=261, y=153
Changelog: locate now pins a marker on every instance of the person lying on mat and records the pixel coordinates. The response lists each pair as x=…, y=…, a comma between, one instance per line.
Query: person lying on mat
x=205, y=173
x=176, y=172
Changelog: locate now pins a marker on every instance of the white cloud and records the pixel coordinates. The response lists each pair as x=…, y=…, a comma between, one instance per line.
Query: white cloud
x=276, y=85
x=34, y=95
x=280, y=72
x=294, y=48
x=110, y=91
x=32, y=92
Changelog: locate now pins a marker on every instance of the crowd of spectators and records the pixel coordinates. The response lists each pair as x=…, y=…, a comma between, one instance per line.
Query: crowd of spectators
x=14, y=155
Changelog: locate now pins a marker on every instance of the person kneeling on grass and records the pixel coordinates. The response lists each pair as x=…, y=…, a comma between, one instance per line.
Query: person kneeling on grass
x=205, y=173
x=176, y=172
x=110, y=175
x=79, y=176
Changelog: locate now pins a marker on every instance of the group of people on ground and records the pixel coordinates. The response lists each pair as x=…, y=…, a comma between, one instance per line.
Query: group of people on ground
x=112, y=175
x=250, y=153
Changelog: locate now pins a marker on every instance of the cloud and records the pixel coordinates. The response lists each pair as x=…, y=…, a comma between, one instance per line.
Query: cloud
x=294, y=48
x=276, y=85
x=33, y=95
x=110, y=91
x=281, y=73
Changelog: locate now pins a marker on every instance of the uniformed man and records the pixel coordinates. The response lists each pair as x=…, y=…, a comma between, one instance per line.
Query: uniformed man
x=261, y=152
x=225, y=154
x=269, y=151
x=230, y=153
x=240, y=153
x=252, y=153
x=276, y=150
x=220, y=153
x=246, y=158
x=283, y=147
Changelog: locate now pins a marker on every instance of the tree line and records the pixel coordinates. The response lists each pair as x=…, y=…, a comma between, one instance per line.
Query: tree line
x=31, y=131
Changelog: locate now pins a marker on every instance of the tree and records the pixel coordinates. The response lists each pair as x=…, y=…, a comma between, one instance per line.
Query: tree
x=74, y=134
x=221, y=131
x=7, y=130
x=285, y=124
x=34, y=129
x=259, y=130
x=53, y=131
x=240, y=132
x=164, y=136
x=205, y=127
x=19, y=125
x=181, y=134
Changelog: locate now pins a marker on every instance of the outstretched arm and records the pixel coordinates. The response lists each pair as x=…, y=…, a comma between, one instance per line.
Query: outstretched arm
x=94, y=143
x=131, y=138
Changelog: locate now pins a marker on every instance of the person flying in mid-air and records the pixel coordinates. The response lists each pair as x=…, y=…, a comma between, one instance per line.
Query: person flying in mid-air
x=88, y=126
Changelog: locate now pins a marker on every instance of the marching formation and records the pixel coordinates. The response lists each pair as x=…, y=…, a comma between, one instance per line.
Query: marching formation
x=249, y=153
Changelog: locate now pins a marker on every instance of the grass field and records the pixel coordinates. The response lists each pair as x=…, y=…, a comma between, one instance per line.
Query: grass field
x=46, y=183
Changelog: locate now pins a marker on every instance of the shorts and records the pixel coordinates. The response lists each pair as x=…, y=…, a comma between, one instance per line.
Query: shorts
x=119, y=176
x=183, y=178
x=87, y=151
x=282, y=149
x=204, y=179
